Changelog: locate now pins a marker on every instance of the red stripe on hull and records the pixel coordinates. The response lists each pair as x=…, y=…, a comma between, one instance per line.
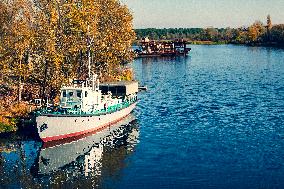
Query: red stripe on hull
x=73, y=135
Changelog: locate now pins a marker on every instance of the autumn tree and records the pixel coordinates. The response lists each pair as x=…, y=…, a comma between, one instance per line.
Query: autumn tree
x=114, y=38
x=256, y=31
x=62, y=34
x=241, y=35
x=55, y=37
x=16, y=42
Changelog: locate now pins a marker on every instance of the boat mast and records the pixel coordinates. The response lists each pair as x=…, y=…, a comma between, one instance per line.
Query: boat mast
x=89, y=41
x=89, y=53
x=89, y=63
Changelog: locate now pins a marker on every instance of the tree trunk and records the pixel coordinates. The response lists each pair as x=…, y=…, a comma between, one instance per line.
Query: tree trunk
x=44, y=81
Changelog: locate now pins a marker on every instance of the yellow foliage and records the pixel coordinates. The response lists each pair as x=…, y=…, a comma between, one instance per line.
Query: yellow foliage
x=127, y=75
x=7, y=125
x=44, y=45
x=8, y=116
x=19, y=109
x=256, y=30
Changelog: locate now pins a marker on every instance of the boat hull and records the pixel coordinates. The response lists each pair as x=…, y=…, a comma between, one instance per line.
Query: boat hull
x=151, y=55
x=50, y=158
x=57, y=127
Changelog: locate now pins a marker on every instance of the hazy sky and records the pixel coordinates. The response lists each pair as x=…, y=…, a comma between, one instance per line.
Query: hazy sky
x=203, y=13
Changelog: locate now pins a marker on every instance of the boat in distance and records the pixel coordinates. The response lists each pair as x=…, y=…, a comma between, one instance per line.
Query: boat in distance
x=150, y=48
x=85, y=107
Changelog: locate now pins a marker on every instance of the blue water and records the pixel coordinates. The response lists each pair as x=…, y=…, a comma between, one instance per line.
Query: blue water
x=214, y=119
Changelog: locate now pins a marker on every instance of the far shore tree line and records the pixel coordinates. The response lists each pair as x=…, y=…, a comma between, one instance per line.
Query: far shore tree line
x=256, y=34
x=45, y=43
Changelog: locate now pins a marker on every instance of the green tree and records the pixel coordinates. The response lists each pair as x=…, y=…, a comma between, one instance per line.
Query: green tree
x=277, y=34
x=268, y=27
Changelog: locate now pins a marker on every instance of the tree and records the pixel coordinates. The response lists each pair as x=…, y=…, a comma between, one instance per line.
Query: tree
x=268, y=27
x=211, y=34
x=269, y=23
x=242, y=35
x=277, y=34
x=256, y=31
x=16, y=41
x=114, y=38
x=46, y=43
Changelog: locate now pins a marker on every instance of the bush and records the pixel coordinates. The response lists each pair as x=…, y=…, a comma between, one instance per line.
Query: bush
x=7, y=125
x=9, y=116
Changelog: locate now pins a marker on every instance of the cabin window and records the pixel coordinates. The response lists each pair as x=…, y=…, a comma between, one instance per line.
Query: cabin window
x=79, y=94
x=64, y=93
x=70, y=94
x=86, y=93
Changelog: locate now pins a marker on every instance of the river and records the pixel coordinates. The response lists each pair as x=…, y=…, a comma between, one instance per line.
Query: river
x=214, y=119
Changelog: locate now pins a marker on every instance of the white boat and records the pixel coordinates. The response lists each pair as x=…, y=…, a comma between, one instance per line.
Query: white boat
x=86, y=107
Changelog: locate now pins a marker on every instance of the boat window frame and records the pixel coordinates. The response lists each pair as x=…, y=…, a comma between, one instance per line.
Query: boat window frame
x=79, y=93
x=64, y=93
x=71, y=93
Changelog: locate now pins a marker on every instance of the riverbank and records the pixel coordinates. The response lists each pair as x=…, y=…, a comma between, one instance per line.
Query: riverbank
x=207, y=42
x=266, y=35
x=13, y=112
x=7, y=128
x=12, y=115
x=254, y=44
x=137, y=42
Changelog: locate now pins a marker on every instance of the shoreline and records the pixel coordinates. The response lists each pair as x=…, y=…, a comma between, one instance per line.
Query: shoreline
x=197, y=42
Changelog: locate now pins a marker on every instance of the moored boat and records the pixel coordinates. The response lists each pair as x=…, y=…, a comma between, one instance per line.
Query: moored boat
x=148, y=49
x=86, y=106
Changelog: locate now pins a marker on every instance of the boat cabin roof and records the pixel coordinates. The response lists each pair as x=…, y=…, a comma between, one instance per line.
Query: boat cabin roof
x=120, y=88
x=119, y=83
x=72, y=88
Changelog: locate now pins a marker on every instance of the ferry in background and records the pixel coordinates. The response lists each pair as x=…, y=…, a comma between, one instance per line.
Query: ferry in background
x=149, y=48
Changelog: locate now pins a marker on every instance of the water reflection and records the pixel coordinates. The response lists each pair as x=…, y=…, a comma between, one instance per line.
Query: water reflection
x=172, y=59
x=83, y=163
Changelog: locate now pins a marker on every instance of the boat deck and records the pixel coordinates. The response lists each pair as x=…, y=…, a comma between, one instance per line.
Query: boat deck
x=76, y=113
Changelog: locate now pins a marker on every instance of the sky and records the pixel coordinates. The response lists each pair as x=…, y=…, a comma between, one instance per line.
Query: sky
x=203, y=13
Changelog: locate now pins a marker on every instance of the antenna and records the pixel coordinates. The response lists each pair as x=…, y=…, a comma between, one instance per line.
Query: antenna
x=93, y=82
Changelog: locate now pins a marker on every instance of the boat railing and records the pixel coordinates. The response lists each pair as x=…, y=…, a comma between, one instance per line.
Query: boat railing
x=78, y=111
